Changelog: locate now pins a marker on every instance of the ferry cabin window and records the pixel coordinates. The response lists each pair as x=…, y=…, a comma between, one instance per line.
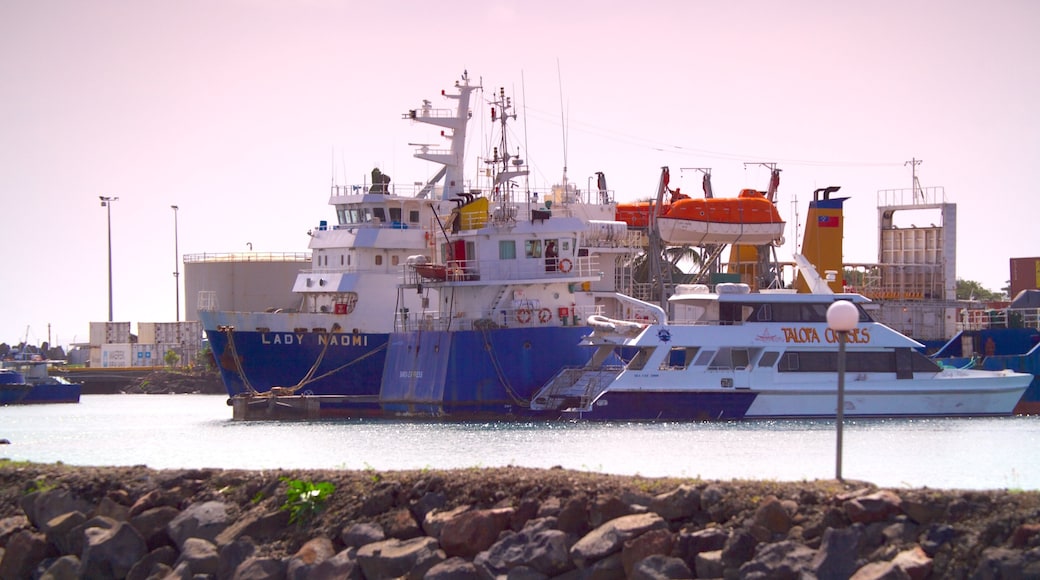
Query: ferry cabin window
x=395, y=214
x=903, y=362
x=730, y=358
x=379, y=259
x=394, y=260
x=679, y=358
x=703, y=358
x=413, y=216
x=379, y=214
x=507, y=249
x=533, y=248
x=788, y=312
x=769, y=358
x=639, y=360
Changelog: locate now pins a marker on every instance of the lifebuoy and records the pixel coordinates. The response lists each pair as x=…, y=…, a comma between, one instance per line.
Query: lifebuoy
x=544, y=315
x=523, y=316
x=565, y=265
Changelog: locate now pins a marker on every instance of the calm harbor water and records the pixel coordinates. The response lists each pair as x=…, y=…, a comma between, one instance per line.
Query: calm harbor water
x=182, y=431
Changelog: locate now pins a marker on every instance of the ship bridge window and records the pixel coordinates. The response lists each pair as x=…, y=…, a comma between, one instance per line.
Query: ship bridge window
x=679, y=358
x=379, y=213
x=395, y=214
x=703, y=358
x=639, y=360
x=533, y=248
x=730, y=358
x=507, y=249
x=769, y=358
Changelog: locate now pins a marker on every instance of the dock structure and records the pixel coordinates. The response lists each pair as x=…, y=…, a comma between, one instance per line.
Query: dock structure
x=265, y=407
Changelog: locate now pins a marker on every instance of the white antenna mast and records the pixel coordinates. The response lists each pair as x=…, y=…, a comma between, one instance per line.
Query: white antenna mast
x=563, y=122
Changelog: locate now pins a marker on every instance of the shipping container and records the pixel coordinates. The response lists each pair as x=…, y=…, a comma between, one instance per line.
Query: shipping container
x=1025, y=275
x=115, y=355
x=109, y=333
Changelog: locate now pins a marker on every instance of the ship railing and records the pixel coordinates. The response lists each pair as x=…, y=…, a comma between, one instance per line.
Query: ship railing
x=248, y=257
x=987, y=318
x=486, y=271
x=575, y=389
x=522, y=314
x=911, y=196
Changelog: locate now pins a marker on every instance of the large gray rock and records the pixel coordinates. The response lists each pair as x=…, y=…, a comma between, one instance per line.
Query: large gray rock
x=654, y=542
x=342, y=566
x=611, y=536
x=683, y=502
x=42, y=506
x=659, y=567
x=536, y=547
x=260, y=569
x=158, y=560
x=152, y=525
x=232, y=555
x=204, y=520
x=64, y=568
x=786, y=559
x=838, y=552
x=357, y=535
x=258, y=524
x=394, y=558
x=453, y=569
x=110, y=553
x=60, y=532
x=200, y=555
x=689, y=544
x=24, y=551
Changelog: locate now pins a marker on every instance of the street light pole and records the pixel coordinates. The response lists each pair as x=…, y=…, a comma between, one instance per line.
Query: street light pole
x=106, y=202
x=842, y=317
x=176, y=265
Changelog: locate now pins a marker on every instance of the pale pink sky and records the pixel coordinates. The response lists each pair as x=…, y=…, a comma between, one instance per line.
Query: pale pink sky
x=231, y=109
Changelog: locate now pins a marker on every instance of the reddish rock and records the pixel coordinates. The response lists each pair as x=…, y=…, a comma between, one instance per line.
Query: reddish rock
x=1023, y=534
x=472, y=532
x=655, y=542
x=875, y=507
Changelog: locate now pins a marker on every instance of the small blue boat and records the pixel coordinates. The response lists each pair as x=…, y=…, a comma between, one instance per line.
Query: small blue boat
x=29, y=382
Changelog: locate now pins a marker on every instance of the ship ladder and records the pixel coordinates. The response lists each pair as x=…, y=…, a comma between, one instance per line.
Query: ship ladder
x=575, y=389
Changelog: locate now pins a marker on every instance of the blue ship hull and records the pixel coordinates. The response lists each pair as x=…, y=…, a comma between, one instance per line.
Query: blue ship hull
x=26, y=394
x=669, y=406
x=1016, y=349
x=322, y=364
x=458, y=375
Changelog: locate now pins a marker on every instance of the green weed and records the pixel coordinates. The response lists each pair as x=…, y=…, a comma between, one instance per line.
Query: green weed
x=304, y=499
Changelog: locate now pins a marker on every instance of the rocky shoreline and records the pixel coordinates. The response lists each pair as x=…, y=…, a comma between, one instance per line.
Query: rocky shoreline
x=58, y=521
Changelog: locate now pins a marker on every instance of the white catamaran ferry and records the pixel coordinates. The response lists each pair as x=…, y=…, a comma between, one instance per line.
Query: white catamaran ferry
x=734, y=354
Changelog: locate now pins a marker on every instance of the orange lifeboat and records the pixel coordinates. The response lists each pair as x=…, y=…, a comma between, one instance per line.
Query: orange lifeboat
x=748, y=219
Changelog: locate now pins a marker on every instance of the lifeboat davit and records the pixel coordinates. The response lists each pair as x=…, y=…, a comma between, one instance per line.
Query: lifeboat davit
x=749, y=219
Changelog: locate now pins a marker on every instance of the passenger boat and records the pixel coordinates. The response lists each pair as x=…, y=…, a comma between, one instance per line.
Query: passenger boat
x=27, y=382
x=735, y=354
x=468, y=260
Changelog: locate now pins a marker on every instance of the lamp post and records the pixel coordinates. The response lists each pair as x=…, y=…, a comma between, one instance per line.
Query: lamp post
x=176, y=265
x=106, y=202
x=842, y=316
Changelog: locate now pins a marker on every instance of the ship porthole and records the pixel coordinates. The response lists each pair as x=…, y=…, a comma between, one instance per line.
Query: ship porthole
x=527, y=346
